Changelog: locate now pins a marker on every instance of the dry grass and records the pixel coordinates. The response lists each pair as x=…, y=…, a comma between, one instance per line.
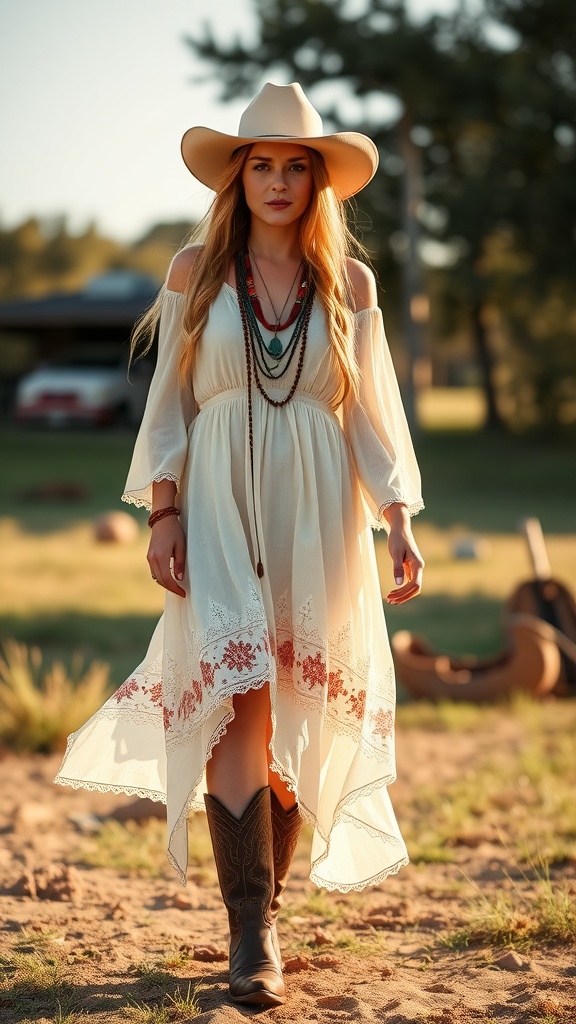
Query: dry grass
x=37, y=983
x=521, y=916
x=63, y=591
x=40, y=707
x=34, y=978
x=140, y=847
x=517, y=796
x=175, y=1008
x=69, y=571
x=130, y=846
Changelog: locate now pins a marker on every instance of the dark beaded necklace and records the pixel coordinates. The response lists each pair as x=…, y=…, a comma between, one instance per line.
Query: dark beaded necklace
x=255, y=362
x=274, y=347
x=271, y=364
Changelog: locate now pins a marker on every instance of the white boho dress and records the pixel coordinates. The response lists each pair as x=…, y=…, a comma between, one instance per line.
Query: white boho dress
x=313, y=626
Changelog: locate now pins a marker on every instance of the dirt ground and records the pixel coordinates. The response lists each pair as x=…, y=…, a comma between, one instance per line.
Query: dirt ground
x=120, y=940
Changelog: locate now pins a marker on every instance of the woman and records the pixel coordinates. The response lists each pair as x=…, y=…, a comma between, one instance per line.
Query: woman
x=273, y=439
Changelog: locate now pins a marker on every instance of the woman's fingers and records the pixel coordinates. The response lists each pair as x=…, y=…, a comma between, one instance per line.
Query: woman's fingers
x=412, y=568
x=404, y=594
x=166, y=558
x=166, y=580
x=179, y=560
x=163, y=576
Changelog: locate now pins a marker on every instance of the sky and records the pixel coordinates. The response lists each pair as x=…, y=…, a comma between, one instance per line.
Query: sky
x=95, y=96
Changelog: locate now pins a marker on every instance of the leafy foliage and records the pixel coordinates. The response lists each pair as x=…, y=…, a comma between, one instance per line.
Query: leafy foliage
x=41, y=256
x=484, y=116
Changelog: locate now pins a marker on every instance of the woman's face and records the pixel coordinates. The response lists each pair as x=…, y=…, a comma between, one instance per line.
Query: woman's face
x=277, y=180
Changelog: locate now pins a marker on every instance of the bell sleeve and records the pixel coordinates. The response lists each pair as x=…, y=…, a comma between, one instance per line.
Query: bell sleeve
x=376, y=428
x=162, y=441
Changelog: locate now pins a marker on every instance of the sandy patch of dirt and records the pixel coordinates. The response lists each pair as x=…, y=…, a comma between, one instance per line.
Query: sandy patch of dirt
x=122, y=937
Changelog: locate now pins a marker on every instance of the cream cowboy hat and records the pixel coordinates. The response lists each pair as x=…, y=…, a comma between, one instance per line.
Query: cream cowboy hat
x=281, y=113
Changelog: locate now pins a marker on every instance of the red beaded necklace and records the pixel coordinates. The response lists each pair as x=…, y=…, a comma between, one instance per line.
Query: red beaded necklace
x=300, y=296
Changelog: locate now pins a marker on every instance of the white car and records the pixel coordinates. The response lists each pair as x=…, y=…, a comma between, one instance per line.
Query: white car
x=87, y=384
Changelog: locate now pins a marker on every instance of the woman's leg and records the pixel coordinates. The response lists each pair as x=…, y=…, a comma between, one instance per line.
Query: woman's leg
x=238, y=767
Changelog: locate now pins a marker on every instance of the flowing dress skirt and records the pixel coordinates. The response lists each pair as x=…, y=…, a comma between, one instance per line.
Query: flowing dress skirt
x=312, y=628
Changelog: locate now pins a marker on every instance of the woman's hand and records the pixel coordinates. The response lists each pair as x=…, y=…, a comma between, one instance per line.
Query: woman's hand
x=167, y=553
x=406, y=559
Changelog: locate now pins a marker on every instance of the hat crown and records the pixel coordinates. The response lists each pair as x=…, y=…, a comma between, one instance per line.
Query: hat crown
x=280, y=111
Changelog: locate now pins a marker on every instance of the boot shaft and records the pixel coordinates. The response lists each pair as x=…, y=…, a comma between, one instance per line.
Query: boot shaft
x=243, y=853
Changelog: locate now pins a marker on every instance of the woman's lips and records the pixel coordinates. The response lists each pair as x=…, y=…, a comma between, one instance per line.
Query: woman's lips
x=279, y=204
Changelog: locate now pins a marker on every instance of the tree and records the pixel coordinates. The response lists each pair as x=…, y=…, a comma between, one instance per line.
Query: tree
x=424, y=67
x=464, y=139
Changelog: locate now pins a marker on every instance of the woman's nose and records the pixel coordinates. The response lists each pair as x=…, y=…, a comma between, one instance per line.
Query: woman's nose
x=279, y=185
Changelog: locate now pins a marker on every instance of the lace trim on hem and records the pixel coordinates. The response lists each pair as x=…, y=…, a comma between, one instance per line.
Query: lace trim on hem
x=343, y=887
x=131, y=497
x=106, y=787
x=197, y=805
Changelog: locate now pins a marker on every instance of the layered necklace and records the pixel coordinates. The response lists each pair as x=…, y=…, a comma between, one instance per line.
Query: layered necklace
x=270, y=361
x=274, y=347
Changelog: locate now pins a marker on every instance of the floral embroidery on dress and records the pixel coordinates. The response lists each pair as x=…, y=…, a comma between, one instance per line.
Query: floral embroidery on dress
x=239, y=655
x=208, y=671
x=336, y=685
x=126, y=690
x=154, y=694
x=190, y=700
x=383, y=723
x=286, y=654
x=357, y=702
x=268, y=643
x=168, y=714
x=314, y=670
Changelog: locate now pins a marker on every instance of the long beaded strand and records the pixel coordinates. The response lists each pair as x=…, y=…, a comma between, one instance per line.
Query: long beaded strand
x=249, y=349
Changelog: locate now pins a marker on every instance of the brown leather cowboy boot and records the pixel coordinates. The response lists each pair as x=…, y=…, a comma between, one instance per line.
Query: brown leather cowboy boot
x=286, y=826
x=243, y=855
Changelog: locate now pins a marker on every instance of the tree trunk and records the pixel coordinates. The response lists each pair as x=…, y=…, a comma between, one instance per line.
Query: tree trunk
x=485, y=360
x=411, y=271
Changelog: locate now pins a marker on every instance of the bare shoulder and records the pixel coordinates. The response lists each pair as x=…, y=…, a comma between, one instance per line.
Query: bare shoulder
x=181, y=268
x=363, y=285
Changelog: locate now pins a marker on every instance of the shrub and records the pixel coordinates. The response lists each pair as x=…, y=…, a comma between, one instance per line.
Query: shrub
x=39, y=708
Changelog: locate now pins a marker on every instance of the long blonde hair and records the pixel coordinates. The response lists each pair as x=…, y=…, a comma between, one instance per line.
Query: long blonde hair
x=326, y=243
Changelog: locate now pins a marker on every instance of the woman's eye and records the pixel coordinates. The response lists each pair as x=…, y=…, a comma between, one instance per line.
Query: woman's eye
x=261, y=167
x=298, y=167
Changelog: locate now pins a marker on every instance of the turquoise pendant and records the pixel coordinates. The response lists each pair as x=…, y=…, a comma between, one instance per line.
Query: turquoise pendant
x=275, y=348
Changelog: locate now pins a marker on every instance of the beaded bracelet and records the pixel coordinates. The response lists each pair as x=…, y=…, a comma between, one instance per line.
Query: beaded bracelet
x=161, y=513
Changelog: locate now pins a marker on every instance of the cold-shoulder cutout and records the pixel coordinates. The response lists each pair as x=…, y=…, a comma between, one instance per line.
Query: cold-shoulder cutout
x=363, y=286
x=181, y=268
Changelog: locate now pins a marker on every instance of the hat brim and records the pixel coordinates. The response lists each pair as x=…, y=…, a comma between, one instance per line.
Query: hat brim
x=351, y=158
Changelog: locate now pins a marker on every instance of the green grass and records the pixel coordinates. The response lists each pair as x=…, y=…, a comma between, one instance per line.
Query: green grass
x=39, y=982
x=481, y=480
x=488, y=482
x=65, y=593
x=98, y=460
